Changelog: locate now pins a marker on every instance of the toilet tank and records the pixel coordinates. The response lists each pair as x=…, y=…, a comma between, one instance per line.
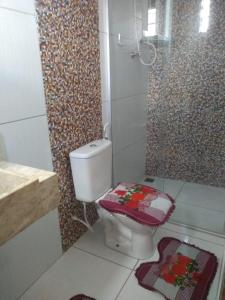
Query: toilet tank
x=92, y=170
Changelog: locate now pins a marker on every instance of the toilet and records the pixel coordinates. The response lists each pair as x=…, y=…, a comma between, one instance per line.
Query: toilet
x=130, y=212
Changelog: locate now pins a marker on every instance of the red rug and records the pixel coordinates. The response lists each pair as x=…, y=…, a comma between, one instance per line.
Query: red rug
x=183, y=272
x=81, y=297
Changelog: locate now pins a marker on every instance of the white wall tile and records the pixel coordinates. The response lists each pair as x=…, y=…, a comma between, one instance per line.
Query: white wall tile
x=121, y=15
x=105, y=112
x=27, y=142
x=128, y=121
x=2, y=150
x=106, y=118
x=129, y=164
x=128, y=75
x=105, y=66
x=120, y=126
x=103, y=16
x=25, y=257
x=128, y=83
x=20, y=5
x=122, y=18
x=105, y=81
x=140, y=5
x=21, y=87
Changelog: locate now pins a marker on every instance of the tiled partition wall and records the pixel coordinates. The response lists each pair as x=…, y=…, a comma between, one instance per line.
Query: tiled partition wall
x=24, y=139
x=129, y=83
x=69, y=42
x=186, y=119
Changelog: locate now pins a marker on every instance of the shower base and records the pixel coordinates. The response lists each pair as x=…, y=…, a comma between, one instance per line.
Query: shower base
x=197, y=206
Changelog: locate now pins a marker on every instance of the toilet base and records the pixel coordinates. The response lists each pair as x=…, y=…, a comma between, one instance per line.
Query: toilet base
x=144, y=250
x=124, y=240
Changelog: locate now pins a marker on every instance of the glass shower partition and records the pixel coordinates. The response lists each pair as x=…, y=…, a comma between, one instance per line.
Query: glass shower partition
x=167, y=103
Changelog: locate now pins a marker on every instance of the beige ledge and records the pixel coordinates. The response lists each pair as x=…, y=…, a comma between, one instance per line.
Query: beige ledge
x=26, y=194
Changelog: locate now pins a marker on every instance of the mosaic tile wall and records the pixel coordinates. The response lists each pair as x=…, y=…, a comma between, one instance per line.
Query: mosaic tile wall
x=186, y=101
x=69, y=43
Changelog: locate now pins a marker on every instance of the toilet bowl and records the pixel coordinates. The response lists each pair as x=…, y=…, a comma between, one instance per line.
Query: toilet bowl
x=127, y=236
x=128, y=226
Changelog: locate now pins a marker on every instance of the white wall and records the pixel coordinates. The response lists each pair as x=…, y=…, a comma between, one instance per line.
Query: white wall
x=23, y=123
x=105, y=64
x=128, y=90
x=24, y=139
x=24, y=258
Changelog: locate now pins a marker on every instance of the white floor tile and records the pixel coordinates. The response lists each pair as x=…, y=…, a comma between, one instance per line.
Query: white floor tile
x=169, y=186
x=198, y=234
x=203, y=195
x=199, y=217
x=133, y=291
x=199, y=206
x=94, y=243
x=161, y=233
x=158, y=183
x=79, y=272
x=173, y=187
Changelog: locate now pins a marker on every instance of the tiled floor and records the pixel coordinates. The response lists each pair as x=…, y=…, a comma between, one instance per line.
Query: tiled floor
x=91, y=268
x=197, y=205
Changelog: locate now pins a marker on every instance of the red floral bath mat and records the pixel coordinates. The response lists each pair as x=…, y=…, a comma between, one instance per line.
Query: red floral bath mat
x=81, y=297
x=183, y=272
x=142, y=203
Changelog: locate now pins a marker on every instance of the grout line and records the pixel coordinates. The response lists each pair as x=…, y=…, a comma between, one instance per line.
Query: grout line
x=129, y=96
x=17, y=10
x=180, y=190
x=115, y=35
x=106, y=259
x=138, y=262
x=192, y=236
x=35, y=280
x=23, y=119
x=198, y=206
x=123, y=285
x=129, y=145
x=196, y=229
x=194, y=204
x=204, y=208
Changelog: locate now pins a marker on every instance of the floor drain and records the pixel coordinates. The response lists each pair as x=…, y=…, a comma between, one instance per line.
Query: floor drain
x=149, y=179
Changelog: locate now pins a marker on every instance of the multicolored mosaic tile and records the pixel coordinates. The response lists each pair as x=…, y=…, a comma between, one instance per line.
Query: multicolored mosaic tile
x=186, y=101
x=69, y=44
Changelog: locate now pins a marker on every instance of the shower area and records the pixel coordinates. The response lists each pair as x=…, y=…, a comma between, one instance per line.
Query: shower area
x=163, y=96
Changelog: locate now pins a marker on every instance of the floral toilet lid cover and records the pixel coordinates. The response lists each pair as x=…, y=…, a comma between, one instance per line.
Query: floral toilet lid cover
x=144, y=204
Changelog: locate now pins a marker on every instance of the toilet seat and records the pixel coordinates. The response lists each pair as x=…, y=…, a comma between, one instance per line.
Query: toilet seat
x=146, y=205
